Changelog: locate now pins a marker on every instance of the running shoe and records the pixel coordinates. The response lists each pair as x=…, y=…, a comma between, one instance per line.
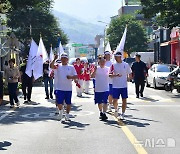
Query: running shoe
x=104, y=117
x=67, y=117
x=122, y=116
x=101, y=115
x=116, y=114
x=60, y=116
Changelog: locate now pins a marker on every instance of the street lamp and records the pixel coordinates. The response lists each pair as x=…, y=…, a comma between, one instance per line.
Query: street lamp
x=104, y=31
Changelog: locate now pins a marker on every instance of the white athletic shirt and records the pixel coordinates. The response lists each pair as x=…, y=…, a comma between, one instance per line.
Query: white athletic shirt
x=55, y=79
x=109, y=64
x=60, y=76
x=102, y=79
x=122, y=69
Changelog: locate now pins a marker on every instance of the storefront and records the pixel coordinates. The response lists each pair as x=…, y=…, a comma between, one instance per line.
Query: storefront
x=175, y=45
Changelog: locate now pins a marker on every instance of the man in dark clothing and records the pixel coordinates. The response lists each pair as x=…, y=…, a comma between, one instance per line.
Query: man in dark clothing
x=27, y=82
x=47, y=79
x=140, y=71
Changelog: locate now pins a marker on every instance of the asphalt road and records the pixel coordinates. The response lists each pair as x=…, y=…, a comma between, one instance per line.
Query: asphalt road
x=152, y=126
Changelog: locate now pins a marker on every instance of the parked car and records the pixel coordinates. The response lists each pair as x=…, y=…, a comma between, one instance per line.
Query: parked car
x=157, y=75
x=173, y=80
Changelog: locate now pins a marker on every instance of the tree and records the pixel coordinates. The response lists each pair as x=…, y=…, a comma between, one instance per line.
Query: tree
x=167, y=12
x=136, y=39
x=4, y=5
x=32, y=19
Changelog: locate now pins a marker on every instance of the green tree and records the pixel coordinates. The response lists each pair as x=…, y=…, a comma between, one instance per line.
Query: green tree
x=136, y=39
x=4, y=5
x=32, y=18
x=167, y=12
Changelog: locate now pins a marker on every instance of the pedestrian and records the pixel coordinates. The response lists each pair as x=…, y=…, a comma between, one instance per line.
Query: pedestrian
x=174, y=61
x=48, y=80
x=87, y=77
x=55, y=75
x=66, y=74
x=1, y=87
x=101, y=74
x=139, y=70
x=109, y=63
x=79, y=69
x=27, y=82
x=12, y=76
x=120, y=73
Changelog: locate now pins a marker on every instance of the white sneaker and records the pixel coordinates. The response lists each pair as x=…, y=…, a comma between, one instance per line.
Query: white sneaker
x=122, y=116
x=67, y=117
x=57, y=110
x=60, y=116
x=109, y=108
x=116, y=114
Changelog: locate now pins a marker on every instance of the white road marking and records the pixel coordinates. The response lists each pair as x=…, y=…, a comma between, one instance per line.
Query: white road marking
x=6, y=113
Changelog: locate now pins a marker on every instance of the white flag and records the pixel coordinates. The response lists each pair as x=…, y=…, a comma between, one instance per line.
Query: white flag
x=51, y=55
x=51, y=58
x=60, y=49
x=108, y=47
x=42, y=57
x=101, y=47
x=31, y=58
x=120, y=47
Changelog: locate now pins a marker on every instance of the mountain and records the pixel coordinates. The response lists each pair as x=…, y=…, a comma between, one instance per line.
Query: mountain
x=77, y=30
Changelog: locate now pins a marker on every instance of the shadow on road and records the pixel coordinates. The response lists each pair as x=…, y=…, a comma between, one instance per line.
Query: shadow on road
x=33, y=113
x=135, y=123
x=4, y=144
x=149, y=99
x=74, y=125
x=112, y=123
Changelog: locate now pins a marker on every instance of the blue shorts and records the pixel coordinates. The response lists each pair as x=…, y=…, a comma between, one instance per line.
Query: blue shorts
x=110, y=89
x=62, y=96
x=101, y=97
x=120, y=91
x=94, y=82
x=55, y=92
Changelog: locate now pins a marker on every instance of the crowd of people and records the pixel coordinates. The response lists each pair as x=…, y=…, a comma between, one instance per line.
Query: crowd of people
x=110, y=77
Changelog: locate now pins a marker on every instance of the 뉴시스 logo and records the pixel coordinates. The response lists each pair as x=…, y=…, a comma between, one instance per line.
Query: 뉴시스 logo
x=156, y=143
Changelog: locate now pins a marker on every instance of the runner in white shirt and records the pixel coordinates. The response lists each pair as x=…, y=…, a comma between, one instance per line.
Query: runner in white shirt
x=54, y=73
x=108, y=64
x=101, y=74
x=66, y=74
x=120, y=73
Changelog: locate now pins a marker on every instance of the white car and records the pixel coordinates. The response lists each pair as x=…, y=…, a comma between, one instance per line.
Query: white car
x=157, y=75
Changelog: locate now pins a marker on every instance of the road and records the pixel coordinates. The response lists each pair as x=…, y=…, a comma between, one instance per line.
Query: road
x=152, y=126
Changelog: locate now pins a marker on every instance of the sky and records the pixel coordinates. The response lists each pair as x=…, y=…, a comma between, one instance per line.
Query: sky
x=89, y=10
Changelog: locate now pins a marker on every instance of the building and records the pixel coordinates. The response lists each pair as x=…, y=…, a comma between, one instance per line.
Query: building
x=175, y=45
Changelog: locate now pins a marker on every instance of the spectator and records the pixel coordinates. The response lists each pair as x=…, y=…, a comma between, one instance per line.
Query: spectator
x=27, y=82
x=12, y=76
x=47, y=80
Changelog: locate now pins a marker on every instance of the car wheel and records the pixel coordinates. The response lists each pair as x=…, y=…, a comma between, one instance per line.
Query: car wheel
x=154, y=84
x=147, y=84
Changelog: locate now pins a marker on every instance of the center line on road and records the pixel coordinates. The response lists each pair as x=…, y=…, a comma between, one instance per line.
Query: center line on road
x=137, y=145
